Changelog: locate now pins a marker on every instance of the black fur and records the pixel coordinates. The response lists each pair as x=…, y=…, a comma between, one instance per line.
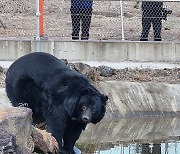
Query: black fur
x=62, y=97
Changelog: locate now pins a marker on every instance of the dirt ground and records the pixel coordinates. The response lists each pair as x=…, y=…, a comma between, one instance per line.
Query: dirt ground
x=96, y=74
x=17, y=19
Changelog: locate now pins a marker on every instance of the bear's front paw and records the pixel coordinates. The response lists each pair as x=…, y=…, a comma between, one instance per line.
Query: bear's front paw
x=62, y=151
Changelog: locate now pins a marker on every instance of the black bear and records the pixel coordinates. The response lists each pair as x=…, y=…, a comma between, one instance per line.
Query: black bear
x=62, y=97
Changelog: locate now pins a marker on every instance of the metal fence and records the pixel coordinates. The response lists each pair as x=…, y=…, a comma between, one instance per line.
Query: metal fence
x=110, y=20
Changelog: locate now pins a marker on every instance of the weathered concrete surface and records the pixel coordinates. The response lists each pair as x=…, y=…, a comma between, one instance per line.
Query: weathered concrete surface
x=142, y=130
x=111, y=51
x=129, y=99
x=17, y=122
x=11, y=50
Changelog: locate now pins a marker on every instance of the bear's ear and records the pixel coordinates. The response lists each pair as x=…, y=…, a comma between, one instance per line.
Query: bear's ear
x=70, y=103
x=104, y=99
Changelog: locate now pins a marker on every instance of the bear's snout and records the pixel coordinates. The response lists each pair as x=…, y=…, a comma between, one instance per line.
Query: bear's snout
x=85, y=119
x=86, y=116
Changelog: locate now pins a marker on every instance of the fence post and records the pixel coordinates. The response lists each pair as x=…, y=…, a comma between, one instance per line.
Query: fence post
x=122, y=20
x=41, y=22
x=37, y=27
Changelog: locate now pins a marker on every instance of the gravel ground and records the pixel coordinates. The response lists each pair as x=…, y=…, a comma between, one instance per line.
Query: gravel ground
x=171, y=76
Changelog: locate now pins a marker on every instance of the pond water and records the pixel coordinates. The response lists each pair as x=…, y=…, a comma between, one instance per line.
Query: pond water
x=145, y=135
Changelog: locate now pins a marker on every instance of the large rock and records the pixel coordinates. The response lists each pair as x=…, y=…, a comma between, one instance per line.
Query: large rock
x=16, y=122
x=7, y=143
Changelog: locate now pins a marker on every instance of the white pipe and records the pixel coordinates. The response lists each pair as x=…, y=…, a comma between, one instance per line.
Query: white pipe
x=37, y=27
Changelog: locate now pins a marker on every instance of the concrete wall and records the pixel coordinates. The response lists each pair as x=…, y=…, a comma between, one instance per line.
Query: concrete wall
x=131, y=99
x=95, y=50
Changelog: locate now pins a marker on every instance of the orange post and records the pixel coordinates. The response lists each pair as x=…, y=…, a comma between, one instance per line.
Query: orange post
x=41, y=18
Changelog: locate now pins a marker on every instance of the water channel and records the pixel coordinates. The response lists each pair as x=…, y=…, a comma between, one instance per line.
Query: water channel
x=144, y=135
x=148, y=121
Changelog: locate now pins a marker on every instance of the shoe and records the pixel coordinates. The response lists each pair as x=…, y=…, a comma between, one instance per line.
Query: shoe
x=143, y=39
x=75, y=38
x=157, y=39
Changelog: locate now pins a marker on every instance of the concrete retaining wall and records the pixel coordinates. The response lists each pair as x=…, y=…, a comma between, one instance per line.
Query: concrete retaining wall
x=130, y=99
x=96, y=50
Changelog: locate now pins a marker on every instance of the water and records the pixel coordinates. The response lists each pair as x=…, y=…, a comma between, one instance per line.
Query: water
x=171, y=147
x=146, y=135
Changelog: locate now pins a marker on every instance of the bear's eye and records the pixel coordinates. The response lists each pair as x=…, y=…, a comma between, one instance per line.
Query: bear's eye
x=83, y=108
x=94, y=110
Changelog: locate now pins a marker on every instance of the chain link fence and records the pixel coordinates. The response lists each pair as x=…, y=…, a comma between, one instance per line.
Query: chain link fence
x=99, y=19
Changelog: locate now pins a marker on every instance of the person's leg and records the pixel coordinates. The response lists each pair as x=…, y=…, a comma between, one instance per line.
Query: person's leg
x=146, y=25
x=157, y=26
x=75, y=16
x=86, y=21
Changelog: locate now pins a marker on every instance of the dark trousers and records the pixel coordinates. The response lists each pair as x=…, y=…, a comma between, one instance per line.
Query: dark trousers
x=83, y=19
x=146, y=25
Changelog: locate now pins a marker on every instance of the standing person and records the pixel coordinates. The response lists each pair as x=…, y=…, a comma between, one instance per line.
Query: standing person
x=81, y=13
x=151, y=13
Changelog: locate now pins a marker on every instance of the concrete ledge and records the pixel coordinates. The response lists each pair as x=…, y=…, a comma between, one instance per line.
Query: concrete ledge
x=114, y=51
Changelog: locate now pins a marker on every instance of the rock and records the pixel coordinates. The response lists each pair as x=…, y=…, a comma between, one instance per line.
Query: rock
x=7, y=143
x=106, y=71
x=16, y=123
x=4, y=101
x=44, y=141
x=90, y=72
x=2, y=76
x=1, y=69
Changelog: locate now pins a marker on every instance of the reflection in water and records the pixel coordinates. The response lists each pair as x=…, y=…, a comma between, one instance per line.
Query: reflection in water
x=146, y=148
x=150, y=135
x=168, y=147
